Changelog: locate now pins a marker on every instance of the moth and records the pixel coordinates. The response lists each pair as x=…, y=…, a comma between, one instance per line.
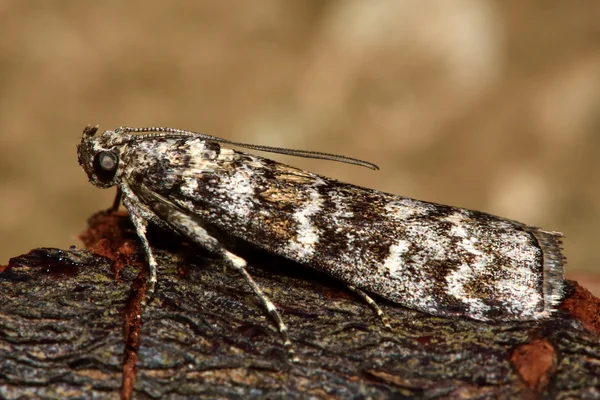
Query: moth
x=442, y=260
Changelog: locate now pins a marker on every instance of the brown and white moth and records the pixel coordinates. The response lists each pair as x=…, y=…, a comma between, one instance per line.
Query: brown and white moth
x=442, y=260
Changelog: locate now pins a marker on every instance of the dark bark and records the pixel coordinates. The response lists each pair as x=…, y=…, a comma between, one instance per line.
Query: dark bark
x=70, y=327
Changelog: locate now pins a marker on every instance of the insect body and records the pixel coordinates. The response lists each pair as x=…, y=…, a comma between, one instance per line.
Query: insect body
x=438, y=259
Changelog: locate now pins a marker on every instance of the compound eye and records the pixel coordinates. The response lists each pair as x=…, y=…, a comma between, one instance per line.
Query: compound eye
x=105, y=165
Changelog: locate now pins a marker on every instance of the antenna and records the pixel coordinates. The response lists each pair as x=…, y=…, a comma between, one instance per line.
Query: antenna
x=172, y=132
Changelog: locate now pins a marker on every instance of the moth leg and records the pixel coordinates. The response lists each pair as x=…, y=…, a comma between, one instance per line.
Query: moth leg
x=140, y=227
x=116, y=202
x=140, y=218
x=372, y=304
x=194, y=231
x=239, y=264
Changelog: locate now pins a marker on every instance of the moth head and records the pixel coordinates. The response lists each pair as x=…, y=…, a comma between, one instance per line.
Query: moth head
x=99, y=156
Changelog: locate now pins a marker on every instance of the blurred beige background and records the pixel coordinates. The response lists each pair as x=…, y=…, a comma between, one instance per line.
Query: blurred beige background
x=492, y=105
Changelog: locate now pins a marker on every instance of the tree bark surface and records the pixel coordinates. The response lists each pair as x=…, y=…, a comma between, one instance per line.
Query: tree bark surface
x=73, y=325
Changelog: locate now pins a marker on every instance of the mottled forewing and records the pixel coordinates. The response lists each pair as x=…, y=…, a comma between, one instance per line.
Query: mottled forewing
x=439, y=259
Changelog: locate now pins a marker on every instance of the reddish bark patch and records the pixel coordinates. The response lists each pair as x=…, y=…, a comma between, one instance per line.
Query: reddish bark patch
x=132, y=330
x=106, y=237
x=535, y=362
x=104, y=226
x=583, y=306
